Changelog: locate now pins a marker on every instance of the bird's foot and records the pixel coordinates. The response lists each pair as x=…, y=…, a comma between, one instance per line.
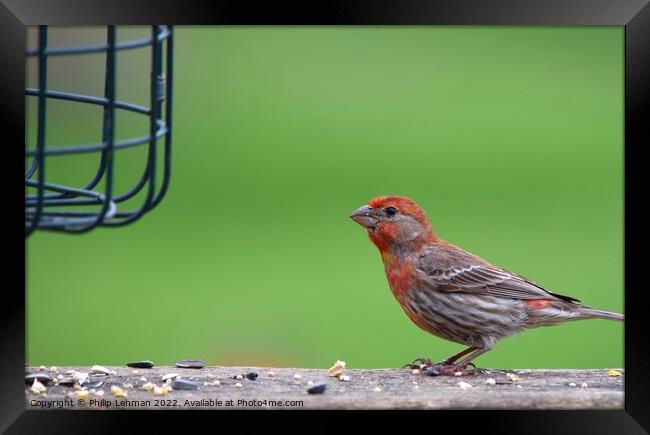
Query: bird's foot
x=423, y=363
x=447, y=369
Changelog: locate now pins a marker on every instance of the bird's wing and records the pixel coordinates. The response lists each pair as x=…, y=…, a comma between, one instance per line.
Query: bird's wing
x=452, y=270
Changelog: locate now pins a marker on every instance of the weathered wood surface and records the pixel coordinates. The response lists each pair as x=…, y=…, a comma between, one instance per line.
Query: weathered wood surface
x=366, y=389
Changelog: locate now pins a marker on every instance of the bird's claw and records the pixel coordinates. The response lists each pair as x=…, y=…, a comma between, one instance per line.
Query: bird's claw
x=423, y=362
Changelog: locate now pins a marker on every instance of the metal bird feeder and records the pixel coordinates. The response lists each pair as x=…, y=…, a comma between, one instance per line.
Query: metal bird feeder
x=78, y=209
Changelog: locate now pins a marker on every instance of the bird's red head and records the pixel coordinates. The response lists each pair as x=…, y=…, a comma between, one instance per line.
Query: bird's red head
x=395, y=223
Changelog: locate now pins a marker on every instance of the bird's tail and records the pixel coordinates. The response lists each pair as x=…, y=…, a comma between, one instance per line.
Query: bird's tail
x=594, y=313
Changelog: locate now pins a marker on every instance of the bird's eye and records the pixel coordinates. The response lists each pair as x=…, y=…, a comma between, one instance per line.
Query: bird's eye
x=390, y=211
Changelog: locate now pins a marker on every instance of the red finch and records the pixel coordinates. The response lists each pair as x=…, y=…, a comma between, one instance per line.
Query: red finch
x=453, y=294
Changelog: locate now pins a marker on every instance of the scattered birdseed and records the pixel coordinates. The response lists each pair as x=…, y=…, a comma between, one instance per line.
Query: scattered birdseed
x=337, y=369
x=271, y=374
x=76, y=387
x=82, y=394
x=42, y=368
x=99, y=393
x=54, y=369
x=251, y=376
x=317, y=388
x=128, y=385
x=344, y=378
x=143, y=379
x=512, y=377
x=525, y=372
x=118, y=392
x=613, y=373
x=416, y=372
x=160, y=391
x=572, y=384
x=458, y=374
x=59, y=377
x=518, y=386
x=310, y=382
x=209, y=375
x=141, y=364
x=464, y=385
x=148, y=386
x=376, y=389
x=238, y=377
x=297, y=376
x=37, y=387
x=417, y=387
x=100, y=370
x=184, y=384
x=584, y=385
x=238, y=385
x=190, y=364
x=490, y=381
x=136, y=372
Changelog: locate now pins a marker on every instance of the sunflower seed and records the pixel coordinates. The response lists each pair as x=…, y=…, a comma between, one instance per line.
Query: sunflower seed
x=146, y=364
x=318, y=388
x=184, y=384
x=169, y=376
x=43, y=378
x=92, y=383
x=100, y=370
x=190, y=364
x=251, y=376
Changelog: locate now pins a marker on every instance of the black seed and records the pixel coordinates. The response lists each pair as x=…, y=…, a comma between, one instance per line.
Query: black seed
x=252, y=376
x=184, y=384
x=92, y=383
x=141, y=364
x=318, y=388
x=43, y=377
x=190, y=364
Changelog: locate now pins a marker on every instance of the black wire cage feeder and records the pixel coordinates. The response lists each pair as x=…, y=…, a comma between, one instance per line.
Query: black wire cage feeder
x=78, y=209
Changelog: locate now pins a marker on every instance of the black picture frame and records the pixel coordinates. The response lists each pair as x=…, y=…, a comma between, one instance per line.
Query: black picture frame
x=634, y=15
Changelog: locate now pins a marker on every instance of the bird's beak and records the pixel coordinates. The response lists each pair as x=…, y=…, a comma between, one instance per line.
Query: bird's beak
x=365, y=217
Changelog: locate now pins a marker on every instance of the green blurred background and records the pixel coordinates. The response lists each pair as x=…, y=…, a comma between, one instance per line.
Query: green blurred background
x=511, y=138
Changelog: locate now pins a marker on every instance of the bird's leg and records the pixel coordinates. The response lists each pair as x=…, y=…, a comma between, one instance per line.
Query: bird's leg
x=451, y=368
x=450, y=360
